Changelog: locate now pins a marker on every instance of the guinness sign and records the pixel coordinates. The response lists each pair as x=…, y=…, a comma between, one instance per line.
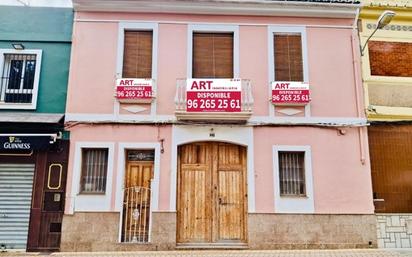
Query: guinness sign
x=15, y=142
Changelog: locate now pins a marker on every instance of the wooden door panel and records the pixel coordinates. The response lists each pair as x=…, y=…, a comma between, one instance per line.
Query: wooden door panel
x=230, y=205
x=136, y=206
x=211, y=191
x=194, y=216
x=139, y=174
x=231, y=194
x=195, y=208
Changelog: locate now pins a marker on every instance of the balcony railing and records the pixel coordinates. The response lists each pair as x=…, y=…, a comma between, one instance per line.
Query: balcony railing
x=242, y=114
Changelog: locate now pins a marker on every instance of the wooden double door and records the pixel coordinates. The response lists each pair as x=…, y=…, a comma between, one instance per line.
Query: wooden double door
x=212, y=194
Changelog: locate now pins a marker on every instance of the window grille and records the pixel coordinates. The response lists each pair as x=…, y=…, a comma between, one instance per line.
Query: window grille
x=17, y=80
x=94, y=170
x=292, y=173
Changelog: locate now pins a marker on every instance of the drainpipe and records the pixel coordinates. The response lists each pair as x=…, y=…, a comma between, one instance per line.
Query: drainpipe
x=358, y=82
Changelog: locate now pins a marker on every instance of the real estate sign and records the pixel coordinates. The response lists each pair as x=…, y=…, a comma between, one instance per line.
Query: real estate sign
x=213, y=95
x=133, y=89
x=293, y=93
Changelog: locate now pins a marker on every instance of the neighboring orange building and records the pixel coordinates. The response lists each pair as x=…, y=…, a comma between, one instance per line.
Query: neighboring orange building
x=387, y=79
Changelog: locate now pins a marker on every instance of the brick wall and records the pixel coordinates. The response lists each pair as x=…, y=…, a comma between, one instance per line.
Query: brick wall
x=390, y=58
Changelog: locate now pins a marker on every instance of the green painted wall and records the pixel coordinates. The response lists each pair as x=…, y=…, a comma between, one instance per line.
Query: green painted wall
x=48, y=29
x=35, y=23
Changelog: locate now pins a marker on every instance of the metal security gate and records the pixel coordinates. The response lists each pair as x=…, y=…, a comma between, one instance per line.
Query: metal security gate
x=16, y=184
x=136, y=215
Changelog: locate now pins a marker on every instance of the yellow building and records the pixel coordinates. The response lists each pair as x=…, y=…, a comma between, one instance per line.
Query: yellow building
x=387, y=80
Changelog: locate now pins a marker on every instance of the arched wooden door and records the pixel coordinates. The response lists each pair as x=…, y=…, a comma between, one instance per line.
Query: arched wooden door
x=212, y=194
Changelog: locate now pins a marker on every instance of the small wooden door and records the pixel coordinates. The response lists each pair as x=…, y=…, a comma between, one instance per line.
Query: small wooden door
x=136, y=199
x=212, y=199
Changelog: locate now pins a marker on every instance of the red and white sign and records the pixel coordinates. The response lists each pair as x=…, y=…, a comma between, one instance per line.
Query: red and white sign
x=286, y=92
x=134, y=89
x=213, y=95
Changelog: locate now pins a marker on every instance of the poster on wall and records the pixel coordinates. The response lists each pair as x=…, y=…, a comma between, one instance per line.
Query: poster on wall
x=134, y=90
x=290, y=93
x=213, y=95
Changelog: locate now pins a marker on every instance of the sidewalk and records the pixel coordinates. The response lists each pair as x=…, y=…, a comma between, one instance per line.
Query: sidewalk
x=286, y=253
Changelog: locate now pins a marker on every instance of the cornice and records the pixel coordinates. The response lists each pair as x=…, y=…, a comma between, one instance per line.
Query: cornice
x=222, y=7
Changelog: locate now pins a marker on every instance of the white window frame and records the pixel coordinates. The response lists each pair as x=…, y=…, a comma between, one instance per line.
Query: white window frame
x=137, y=26
x=287, y=29
x=213, y=28
x=292, y=204
x=33, y=104
x=91, y=202
x=154, y=185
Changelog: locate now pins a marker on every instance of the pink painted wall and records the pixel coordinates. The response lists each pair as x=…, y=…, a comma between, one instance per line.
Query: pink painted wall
x=93, y=68
x=94, y=54
x=341, y=183
x=252, y=46
x=125, y=134
x=172, y=64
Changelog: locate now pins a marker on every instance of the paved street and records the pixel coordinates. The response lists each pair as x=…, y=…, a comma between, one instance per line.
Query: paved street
x=286, y=253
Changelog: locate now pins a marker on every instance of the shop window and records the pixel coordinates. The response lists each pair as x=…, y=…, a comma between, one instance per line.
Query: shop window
x=390, y=58
x=212, y=55
x=94, y=170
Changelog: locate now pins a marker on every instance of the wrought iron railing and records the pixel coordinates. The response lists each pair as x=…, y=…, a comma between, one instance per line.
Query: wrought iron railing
x=136, y=215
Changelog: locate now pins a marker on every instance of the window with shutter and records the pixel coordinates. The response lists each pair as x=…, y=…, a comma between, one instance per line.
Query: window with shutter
x=137, y=57
x=288, y=57
x=212, y=55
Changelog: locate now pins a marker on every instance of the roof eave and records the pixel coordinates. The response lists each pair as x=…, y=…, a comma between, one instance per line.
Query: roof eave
x=255, y=8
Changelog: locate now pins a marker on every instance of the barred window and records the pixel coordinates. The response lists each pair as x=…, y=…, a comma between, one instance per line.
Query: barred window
x=94, y=170
x=288, y=56
x=292, y=173
x=17, y=80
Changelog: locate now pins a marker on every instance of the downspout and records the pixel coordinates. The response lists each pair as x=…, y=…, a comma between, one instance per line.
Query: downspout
x=358, y=82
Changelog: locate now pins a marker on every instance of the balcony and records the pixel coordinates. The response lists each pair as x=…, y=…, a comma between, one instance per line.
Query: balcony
x=219, y=104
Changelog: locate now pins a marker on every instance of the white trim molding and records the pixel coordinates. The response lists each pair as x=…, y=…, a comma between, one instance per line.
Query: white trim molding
x=213, y=28
x=22, y=106
x=121, y=168
x=293, y=204
x=90, y=202
x=140, y=26
x=237, y=135
x=287, y=29
x=223, y=7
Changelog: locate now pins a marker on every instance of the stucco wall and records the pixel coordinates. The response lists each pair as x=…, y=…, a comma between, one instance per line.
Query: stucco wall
x=95, y=54
x=341, y=183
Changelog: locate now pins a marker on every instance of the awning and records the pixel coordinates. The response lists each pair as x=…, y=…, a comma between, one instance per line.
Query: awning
x=30, y=117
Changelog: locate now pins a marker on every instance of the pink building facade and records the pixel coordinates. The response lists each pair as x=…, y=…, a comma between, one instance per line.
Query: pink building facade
x=150, y=174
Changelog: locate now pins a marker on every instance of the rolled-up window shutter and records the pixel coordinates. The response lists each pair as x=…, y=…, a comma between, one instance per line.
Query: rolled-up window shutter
x=288, y=57
x=137, y=57
x=212, y=55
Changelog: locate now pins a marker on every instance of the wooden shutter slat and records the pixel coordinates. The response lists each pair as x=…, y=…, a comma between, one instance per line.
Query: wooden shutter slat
x=137, y=57
x=288, y=57
x=212, y=55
